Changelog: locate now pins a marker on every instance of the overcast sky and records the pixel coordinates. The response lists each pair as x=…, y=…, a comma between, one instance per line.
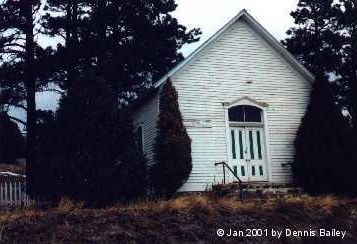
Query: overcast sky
x=211, y=15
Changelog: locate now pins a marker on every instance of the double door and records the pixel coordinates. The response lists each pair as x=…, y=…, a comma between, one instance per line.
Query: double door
x=247, y=153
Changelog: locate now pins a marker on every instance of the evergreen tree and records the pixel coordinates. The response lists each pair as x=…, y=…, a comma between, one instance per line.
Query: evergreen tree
x=348, y=70
x=67, y=20
x=136, y=41
x=17, y=42
x=316, y=41
x=95, y=160
x=88, y=141
x=12, y=143
x=173, y=146
x=323, y=147
x=132, y=174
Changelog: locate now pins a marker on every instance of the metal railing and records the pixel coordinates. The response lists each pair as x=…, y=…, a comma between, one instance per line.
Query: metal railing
x=224, y=166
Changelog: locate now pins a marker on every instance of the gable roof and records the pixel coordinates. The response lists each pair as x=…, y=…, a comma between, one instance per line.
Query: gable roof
x=261, y=31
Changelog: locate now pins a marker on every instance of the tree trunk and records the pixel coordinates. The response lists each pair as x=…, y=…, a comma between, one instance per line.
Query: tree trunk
x=72, y=42
x=30, y=98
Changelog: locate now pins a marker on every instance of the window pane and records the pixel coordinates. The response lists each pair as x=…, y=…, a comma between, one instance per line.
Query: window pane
x=236, y=114
x=233, y=145
x=243, y=170
x=244, y=114
x=253, y=170
x=259, y=145
x=252, y=114
x=235, y=170
x=241, y=145
x=251, y=144
x=261, y=170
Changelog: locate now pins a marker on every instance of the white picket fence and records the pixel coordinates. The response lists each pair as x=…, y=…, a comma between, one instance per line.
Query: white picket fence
x=13, y=194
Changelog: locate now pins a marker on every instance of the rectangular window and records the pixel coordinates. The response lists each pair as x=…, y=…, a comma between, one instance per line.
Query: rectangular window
x=242, y=170
x=261, y=170
x=253, y=170
x=233, y=145
x=251, y=144
x=235, y=170
x=259, y=145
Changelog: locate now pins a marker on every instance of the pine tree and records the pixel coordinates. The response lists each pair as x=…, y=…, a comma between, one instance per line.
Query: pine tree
x=17, y=42
x=136, y=41
x=173, y=146
x=66, y=20
x=348, y=70
x=88, y=142
x=323, y=147
x=95, y=159
x=316, y=41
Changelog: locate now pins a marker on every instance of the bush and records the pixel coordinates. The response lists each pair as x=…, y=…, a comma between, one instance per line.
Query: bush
x=12, y=143
x=323, y=146
x=172, y=147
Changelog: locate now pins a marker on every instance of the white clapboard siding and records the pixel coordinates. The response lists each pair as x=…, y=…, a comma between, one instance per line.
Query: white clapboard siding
x=239, y=63
x=146, y=117
x=219, y=74
x=13, y=194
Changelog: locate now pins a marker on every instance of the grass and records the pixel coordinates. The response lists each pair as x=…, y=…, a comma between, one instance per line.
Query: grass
x=182, y=219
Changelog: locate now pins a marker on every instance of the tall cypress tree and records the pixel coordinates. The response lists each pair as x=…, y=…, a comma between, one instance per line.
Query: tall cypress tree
x=323, y=147
x=173, y=146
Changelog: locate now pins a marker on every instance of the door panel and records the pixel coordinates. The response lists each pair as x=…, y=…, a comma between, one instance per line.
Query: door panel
x=237, y=156
x=247, y=157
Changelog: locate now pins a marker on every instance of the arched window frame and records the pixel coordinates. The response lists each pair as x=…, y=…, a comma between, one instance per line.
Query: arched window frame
x=246, y=101
x=246, y=123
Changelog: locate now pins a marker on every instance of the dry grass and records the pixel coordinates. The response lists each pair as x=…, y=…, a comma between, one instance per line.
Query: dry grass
x=191, y=203
x=184, y=218
x=68, y=205
x=211, y=206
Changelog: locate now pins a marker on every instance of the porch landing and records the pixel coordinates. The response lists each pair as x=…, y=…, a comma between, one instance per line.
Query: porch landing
x=257, y=190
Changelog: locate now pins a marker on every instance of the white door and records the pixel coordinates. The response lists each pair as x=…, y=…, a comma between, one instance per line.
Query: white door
x=247, y=155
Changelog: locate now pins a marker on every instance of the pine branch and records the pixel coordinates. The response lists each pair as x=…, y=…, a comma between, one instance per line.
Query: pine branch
x=17, y=120
x=54, y=90
x=16, y=105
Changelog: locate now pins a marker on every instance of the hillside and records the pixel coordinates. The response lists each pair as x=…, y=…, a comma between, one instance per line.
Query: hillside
x=186, y=219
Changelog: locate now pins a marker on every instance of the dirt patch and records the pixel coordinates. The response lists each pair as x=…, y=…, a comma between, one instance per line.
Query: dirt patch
x=189, y=219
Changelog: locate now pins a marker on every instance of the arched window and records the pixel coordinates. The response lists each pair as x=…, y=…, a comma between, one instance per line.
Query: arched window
x=245, y=114
x=139, y=138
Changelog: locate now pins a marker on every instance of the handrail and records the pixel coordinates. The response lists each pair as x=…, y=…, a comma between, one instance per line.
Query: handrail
x=224, y=165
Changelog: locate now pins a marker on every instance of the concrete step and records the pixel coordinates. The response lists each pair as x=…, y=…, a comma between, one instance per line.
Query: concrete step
x=256, y=191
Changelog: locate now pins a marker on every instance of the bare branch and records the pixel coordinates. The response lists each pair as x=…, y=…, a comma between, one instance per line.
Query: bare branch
x=54, y=90
x=13, y=45
x=17, y=106
x=17, y=120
